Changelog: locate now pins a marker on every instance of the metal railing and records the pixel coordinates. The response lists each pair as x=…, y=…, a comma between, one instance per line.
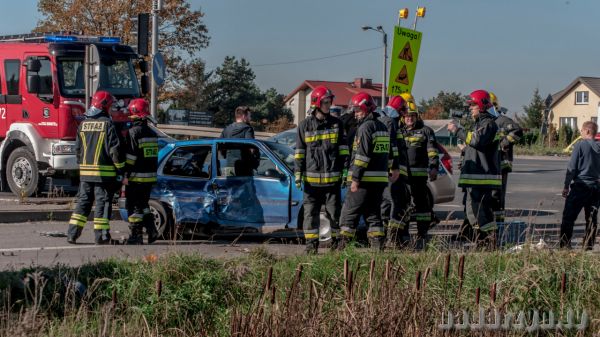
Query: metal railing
x=201, y=131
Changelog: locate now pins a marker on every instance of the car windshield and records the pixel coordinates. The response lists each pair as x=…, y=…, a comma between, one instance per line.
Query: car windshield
x=117, y=76
x=284, y=152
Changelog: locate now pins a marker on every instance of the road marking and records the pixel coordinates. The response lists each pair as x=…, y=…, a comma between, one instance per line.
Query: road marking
x=32, y=249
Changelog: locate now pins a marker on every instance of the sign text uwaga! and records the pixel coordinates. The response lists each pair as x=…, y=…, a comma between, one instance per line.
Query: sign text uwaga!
x=405, y=55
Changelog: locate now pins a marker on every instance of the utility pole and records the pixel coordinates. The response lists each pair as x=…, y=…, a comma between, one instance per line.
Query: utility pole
x=156, y=7
x=383, y=85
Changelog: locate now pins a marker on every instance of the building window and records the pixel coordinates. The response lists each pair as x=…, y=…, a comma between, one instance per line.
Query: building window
x=582, y=97
x=570, y=121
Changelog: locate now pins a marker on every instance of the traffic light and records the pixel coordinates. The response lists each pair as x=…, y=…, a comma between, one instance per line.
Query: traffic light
x=421, y=12
x=403, y=13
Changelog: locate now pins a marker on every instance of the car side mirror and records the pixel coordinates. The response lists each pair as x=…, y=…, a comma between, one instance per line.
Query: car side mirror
x=33, y=84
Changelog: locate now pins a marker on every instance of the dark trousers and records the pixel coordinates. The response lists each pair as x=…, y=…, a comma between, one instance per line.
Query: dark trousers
x=314, y=199
x=499, y=196
x=395, y=209
x=138, y=210
x=586, y=197
x=89, y=192
x=479, y=213
x=365, y=202
x=423, y=205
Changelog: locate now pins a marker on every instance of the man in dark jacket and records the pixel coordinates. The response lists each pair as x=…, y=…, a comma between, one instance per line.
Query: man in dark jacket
x=141, y=164
x=480, y=173
x=320, y=157
x=582, y=188
x=372, y=159
x=509, y=133
x=100, y=162
x=241, y=128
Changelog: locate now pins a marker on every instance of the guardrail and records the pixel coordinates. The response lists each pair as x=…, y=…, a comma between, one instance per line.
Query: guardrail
x=202, y=131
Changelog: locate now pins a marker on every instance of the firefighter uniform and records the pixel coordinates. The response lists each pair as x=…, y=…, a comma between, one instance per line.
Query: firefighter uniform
x=320, y=157
x=372, y=158
x=100, y=166
x=479, y=176
x=141, y=154
x=422, y=157
x=509, y=133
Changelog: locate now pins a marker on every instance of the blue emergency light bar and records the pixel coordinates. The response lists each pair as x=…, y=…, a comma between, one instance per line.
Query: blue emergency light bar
x=72, y=38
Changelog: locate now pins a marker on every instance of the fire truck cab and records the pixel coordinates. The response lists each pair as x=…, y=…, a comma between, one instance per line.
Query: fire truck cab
x=43, y=99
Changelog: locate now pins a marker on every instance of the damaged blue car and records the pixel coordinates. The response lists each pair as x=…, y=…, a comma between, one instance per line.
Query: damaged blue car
x=226, y=187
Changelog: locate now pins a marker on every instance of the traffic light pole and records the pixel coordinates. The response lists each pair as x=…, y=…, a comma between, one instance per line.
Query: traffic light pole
x=156, y=7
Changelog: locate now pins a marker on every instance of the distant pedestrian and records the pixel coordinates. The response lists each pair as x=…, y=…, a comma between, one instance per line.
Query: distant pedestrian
x=582, y=188
x=241, y=128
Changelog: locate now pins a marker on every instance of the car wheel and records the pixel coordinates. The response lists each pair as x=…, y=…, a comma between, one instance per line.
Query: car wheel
x=162, y=219
x=22, y=172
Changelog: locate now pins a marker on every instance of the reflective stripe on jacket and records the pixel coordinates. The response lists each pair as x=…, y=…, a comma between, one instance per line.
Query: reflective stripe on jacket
x=98, y=150
x=422, y=150
x=371, y=152
x=141, y=148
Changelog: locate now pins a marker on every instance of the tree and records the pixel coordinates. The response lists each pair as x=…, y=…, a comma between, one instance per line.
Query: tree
x=231, y=86
x=182, y=31
x=272, y=106
x=439, y=107
x=194, y=82
x=533, y=112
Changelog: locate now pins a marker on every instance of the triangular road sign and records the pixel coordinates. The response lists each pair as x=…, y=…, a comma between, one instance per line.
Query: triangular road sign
x=402, y=76
x=406, y=53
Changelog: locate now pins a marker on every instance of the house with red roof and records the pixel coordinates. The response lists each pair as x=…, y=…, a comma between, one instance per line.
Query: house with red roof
x=299, y=99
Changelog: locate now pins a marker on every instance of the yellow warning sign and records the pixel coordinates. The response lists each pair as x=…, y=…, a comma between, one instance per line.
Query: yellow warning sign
x=406, y=53
x=407, y=43
x=402, y=76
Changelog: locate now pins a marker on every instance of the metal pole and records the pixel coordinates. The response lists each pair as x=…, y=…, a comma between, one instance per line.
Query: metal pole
x=154, y=89
x=383, y=85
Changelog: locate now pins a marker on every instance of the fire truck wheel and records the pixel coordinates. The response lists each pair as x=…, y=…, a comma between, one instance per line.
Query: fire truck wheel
x=22, y=172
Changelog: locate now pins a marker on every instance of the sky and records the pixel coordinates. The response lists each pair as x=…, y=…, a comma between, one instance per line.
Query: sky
x=509, y=47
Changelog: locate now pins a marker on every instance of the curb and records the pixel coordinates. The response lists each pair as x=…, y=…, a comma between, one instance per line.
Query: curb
x=46, y=215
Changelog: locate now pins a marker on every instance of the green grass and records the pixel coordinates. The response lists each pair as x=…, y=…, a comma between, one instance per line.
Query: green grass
x=203, y=296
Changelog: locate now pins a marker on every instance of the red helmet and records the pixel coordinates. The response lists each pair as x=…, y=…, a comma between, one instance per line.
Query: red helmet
x=364, y=102
x=103, y=100
x=138, y=108
x=399, y=104
x=318, y=94
x=481, y=98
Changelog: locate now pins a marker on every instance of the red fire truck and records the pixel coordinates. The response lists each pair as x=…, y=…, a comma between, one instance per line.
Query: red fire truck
x=45, y=81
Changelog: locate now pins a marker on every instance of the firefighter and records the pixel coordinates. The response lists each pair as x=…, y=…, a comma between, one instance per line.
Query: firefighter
x=320, y=157
x=98, y=151
x=141, y=164
x=423, y=162
x=372, y=159
x=480, y=172
x=509, y=133
x=582, y=188
x=396, y=198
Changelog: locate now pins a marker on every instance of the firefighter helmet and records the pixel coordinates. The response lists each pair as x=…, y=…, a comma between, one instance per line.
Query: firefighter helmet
x=493, y=98
x=410, y=101
x=398, y=103
x=318, y=94
x=481, y=98
x=101, y=102
x=138, y=108
x=363, y=102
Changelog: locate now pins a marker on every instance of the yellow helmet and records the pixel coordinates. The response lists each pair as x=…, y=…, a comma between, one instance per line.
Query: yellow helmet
x=410, y=100
x=494, y=99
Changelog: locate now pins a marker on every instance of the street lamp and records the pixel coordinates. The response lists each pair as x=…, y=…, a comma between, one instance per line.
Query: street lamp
x=380, y=30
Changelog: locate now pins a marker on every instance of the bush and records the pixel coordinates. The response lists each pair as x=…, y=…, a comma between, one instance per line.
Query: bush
x=565, y=135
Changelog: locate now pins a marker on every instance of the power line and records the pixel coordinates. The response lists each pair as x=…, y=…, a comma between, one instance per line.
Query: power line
x=316, y=59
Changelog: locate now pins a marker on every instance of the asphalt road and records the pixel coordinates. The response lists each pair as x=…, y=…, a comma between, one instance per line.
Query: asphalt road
x=533, y=196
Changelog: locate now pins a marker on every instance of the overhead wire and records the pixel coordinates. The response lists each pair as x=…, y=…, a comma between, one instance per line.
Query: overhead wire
x=316, y=58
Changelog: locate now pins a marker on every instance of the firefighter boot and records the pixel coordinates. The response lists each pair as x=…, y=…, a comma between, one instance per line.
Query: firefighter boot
x=102, y=236
x=136, y=237
x=312, y=246
x=377, y=243
x=73, y=233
